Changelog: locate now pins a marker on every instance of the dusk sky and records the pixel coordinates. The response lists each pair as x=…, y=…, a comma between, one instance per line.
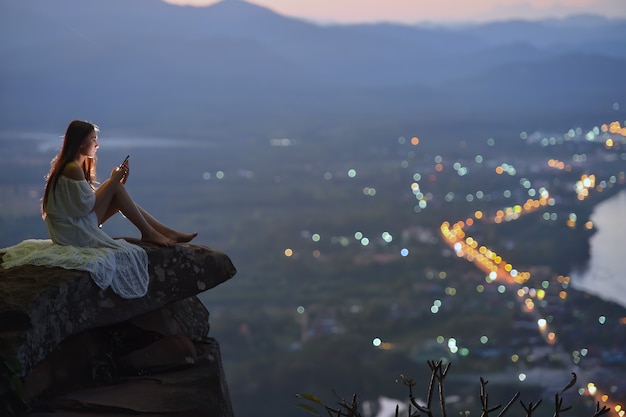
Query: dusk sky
x=416, y=11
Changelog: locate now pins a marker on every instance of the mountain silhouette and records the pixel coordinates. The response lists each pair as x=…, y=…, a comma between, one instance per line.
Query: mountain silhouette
x=134, y=63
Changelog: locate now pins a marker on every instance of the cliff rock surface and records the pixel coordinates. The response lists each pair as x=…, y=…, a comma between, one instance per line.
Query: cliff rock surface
x=66, y=345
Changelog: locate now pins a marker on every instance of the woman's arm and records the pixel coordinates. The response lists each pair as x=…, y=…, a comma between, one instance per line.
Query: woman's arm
x=106, y=192
x=74, y=196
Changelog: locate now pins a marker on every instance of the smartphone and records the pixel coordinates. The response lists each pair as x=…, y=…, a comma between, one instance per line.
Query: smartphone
x=124, y=177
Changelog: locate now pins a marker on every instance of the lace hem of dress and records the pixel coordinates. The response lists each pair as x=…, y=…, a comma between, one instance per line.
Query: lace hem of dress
x=124, y=269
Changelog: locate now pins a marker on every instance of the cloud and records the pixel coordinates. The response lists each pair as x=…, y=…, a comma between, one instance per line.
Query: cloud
x=413, y=11
x=537, y=9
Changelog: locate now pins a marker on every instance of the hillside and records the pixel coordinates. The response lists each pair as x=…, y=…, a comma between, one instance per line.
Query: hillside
x=234, y=65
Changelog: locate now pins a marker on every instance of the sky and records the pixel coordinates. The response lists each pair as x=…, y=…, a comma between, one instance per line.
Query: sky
x=419, y=11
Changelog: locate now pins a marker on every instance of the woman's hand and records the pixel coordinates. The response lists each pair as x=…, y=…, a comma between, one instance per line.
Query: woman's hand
x=119, y=174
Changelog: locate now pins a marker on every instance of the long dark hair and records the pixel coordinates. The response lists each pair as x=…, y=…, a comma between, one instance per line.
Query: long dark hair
x=75, y=134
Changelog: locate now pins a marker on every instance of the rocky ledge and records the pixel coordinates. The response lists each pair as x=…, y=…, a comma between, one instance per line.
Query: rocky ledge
x=68, y=346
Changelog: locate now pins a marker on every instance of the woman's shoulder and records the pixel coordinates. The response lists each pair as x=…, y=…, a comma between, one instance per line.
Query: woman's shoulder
x=73, y=171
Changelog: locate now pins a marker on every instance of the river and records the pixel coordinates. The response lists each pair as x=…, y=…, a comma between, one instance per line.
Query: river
x=605, y=275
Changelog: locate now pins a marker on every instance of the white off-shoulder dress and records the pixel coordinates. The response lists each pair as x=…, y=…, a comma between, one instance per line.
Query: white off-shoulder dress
x=77, y=242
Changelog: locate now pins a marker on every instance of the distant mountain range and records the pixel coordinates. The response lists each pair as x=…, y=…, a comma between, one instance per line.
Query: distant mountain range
x=235, y=66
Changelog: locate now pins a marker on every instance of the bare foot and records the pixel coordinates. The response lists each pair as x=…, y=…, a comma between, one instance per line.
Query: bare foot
x=181, y=237
x=158, y=239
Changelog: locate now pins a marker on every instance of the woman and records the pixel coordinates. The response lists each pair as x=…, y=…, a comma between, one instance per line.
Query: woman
x=72, y=206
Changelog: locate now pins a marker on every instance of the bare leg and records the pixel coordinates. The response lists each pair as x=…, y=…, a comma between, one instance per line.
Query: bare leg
x=112, y=197
x=165, y=230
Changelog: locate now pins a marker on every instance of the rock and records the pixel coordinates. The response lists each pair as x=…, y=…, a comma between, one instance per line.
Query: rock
x=43, y=306
x=188, y=316
x=65, y=332
x=167, y=352
x=190, y=391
